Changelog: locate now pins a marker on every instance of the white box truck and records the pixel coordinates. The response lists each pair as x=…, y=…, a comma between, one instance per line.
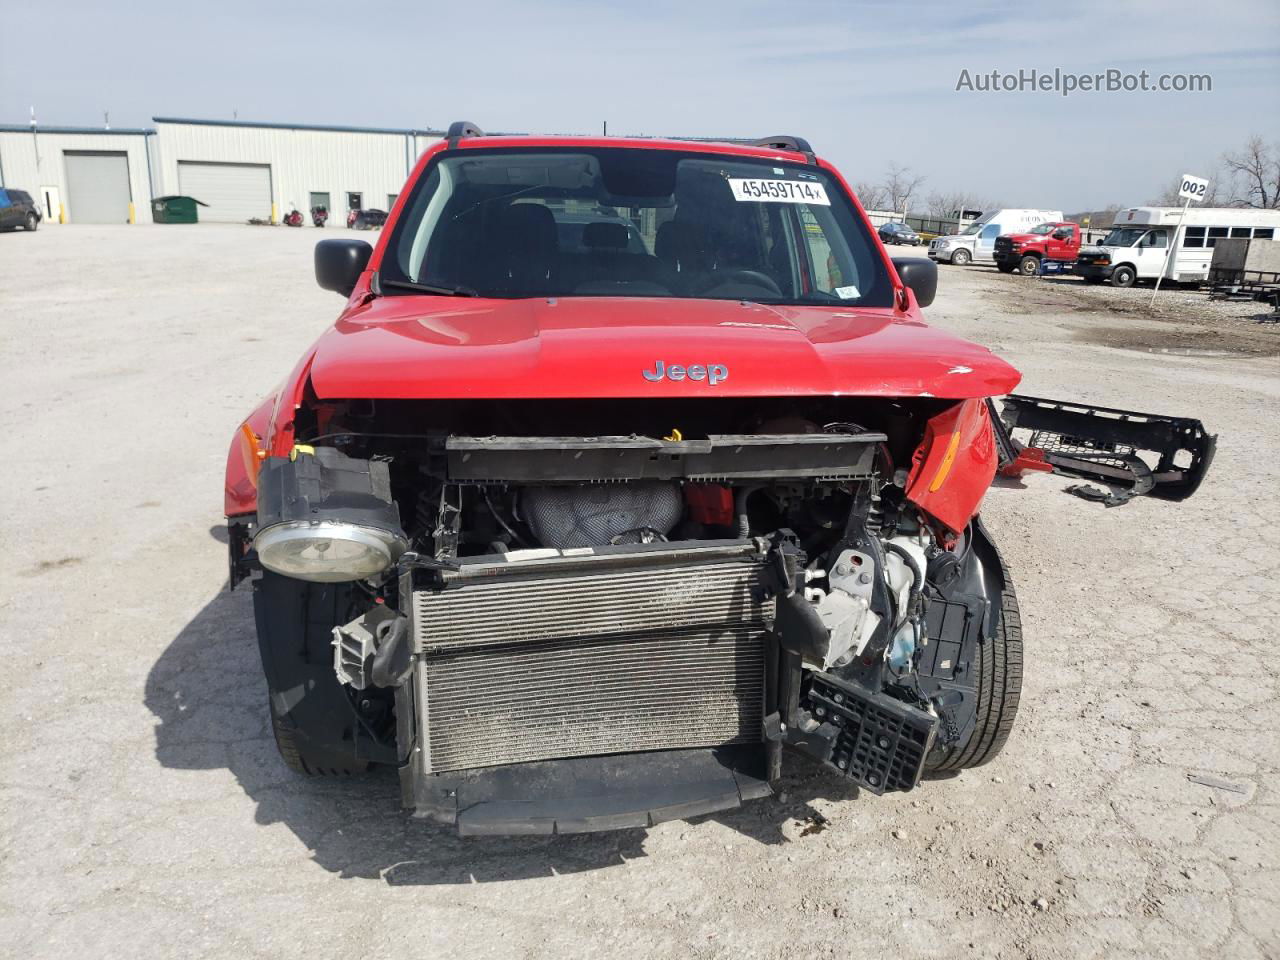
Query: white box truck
x=977, y=242
x=1137, y=248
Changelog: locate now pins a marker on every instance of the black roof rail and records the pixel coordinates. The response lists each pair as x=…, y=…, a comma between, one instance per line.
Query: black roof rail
x=460, y=129
x=784, y=142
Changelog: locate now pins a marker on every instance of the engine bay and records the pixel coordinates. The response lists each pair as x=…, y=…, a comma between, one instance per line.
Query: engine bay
x=755, y=562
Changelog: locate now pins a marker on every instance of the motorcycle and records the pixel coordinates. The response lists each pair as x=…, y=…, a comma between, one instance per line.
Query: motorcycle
x=293, y=218
x=319, y=215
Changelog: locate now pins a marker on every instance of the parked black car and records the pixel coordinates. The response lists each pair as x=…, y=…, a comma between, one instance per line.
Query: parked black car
x=17, y=209
x=371, y=219
x=899, y=233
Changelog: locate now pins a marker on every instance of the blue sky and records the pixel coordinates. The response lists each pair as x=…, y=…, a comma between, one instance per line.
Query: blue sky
x=869, y=83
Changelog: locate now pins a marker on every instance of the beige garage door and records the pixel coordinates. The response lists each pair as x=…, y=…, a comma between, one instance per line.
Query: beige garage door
x=234, y=192
x=97, y=186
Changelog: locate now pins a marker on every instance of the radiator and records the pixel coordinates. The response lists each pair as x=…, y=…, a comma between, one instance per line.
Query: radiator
x=615, y=650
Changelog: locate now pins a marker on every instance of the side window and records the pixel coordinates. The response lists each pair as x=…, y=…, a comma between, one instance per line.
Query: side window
x=1264, y=233
x=826, y=274
x=990, y=232
x=1156, y=238
x=1194, y=237
x=831, y=269
x=1216, y=234
x=1241, y=232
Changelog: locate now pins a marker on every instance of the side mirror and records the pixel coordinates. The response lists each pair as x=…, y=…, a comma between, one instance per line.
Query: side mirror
x=920, y=276
x=339, y=264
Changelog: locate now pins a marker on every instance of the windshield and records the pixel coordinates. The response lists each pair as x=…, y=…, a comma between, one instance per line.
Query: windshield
x=1123, y=236
x=633, y=222
x=1043, y=228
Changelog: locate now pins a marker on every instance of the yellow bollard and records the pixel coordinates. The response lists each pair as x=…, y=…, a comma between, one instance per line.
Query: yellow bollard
x=62, y=214
x=274, y=211
x=132, y=215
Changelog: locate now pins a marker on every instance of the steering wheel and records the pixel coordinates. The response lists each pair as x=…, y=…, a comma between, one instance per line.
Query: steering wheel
x=741, y=275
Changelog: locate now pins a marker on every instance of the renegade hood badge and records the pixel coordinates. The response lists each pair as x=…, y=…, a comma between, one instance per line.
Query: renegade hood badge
x=713, y=373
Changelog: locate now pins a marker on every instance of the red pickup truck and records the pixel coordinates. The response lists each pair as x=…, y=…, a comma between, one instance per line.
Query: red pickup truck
x=1024, y=251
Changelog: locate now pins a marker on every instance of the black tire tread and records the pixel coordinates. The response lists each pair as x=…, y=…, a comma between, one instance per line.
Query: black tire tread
x=999, y=689
x=295, y=758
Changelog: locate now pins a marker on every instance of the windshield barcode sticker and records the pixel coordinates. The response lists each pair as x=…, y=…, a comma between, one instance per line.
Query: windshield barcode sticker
x=778, y=191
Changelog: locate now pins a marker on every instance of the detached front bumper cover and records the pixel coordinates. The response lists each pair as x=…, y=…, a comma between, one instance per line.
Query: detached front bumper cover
x=1135, y=454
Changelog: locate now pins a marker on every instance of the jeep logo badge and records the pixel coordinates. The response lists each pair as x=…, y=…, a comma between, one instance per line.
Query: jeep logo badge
x=713, y=373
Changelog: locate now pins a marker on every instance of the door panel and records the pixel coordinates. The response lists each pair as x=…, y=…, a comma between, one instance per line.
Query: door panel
x=97, y=186
x=234, y=192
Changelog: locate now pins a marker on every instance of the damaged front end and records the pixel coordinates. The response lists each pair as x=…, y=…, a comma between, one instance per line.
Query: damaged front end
x=588, y=629
x=1134, y=454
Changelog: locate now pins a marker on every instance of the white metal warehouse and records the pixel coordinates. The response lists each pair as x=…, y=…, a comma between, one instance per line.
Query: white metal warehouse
x=239, y=170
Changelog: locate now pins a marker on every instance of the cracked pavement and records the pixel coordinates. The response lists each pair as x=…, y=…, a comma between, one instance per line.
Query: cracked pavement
x=143, y=810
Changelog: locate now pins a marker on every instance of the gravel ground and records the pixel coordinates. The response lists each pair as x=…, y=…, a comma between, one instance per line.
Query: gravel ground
x=143, y=811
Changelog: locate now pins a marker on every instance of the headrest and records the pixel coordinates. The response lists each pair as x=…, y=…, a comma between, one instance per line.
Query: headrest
x=677, y=240
x=530, y=220
x=610, y=236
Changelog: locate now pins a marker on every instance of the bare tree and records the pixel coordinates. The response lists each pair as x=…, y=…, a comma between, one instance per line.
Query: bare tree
x=1168, y=197
x=871, y=195
x=1249, y=177
x=945, y=203
x=899, y=183
x=1254, y=175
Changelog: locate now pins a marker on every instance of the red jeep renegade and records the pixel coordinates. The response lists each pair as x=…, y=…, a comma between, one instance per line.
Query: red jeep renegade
x=629, y=464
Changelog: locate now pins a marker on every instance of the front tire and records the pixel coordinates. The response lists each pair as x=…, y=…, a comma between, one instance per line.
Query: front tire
x=999, y=669
x=1029, y=266
x=1124, y=276
x=32, y=222
x=304, y=759
x=314, y=723
x=961, y=258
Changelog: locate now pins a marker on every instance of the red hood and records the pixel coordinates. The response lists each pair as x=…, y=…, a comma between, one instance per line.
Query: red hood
x=420, y=347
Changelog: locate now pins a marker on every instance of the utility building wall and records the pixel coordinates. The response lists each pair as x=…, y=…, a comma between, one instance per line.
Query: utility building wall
x=243, y=170
x=79, y=176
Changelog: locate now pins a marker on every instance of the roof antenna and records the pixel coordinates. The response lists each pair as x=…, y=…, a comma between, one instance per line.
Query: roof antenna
x=604, y=130
x=106, y=120
x=35, y=137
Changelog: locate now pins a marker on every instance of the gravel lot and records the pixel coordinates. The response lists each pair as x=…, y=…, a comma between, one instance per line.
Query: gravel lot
x=143, y=811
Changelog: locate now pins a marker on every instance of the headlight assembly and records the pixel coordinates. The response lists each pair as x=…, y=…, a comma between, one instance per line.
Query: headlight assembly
x=327, y=517
x=327, y=551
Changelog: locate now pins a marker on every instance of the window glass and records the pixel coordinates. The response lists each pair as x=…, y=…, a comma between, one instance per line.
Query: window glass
x=1241, y=232
x=1156, y=238
x=634, y=222
x=1264, y=233
x=990, y=232
x=1122, y=236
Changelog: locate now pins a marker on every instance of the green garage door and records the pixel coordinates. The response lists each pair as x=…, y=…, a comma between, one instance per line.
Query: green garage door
x=234, y=192
x=97, y=186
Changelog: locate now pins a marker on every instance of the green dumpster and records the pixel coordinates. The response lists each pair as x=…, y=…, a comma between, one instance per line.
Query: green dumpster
x=176, y=209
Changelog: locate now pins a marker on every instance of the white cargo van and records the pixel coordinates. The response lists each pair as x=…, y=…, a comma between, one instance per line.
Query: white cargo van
x=978, y=240
x=1137, y=248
